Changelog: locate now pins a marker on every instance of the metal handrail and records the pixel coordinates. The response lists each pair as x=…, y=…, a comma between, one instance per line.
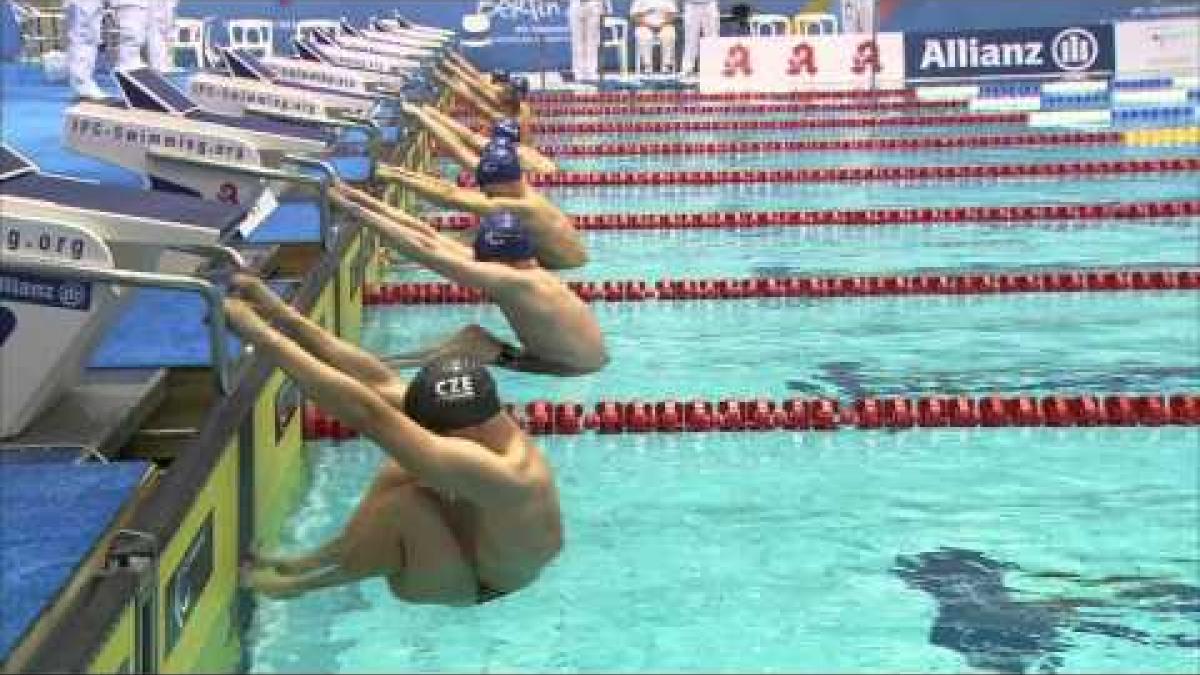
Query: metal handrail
x=329, y=176
x=209, y=292
x=321, y=184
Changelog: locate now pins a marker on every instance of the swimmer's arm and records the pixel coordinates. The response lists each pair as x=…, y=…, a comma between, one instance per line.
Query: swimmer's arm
x=472, y=99
x=559, y=247
x=411, y=236
x=446, y=138
x=468, y=136
x=454, y=261
x=441, y=192
x=345, y=356
x=482, y=84
x=448, y=464
x=535, y=161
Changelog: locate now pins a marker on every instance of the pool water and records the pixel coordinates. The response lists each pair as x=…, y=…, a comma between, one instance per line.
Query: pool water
x=1008, y=550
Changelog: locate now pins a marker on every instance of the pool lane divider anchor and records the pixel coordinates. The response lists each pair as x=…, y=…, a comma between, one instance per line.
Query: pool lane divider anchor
x=633, y=108
x=904, y=144
x=857, y=174
x=821, y=414
x=669, y=126
x=924, y=216
x=1067, y=281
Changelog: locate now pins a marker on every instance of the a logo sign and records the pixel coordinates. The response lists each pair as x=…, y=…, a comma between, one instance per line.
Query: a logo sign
x=1075, y=49
x=522, y=10
x=72, y=295
x=1018, y=52
x=798, y=63
x=287, y=402
x=188, y=581
x=8, y=324
x=455, y=388
x=227, y=194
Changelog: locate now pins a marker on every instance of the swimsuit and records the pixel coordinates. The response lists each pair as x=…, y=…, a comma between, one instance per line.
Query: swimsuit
x=486, y=594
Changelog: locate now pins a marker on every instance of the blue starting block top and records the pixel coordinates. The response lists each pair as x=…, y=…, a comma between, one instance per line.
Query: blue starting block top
x=53, y=514
x=162, y=329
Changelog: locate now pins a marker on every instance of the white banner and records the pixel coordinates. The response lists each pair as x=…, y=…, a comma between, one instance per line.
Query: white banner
x=1167, y=47
x=798, y=63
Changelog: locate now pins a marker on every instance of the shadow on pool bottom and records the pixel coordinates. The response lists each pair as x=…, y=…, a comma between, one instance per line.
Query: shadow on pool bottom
x=995, y=630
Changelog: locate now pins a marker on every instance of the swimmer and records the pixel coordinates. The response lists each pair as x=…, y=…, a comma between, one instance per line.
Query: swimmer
x=465, y=145
x=464, y=509
x=557, y=243
x=558, y=333
x=509, y=102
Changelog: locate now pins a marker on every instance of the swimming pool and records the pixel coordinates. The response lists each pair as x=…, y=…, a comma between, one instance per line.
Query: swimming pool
x=1014, y=550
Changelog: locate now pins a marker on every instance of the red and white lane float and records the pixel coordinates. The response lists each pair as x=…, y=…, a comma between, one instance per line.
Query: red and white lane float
x=612, y=416
x=1065, y=281
x=906, y=144
x=745, y=108
x=922, y=216
x=690, y=96
x=871, y=122
x=860, y=174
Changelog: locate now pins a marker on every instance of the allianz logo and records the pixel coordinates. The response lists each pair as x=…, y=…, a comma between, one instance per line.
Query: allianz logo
x=515, y=10
x=1072, y=49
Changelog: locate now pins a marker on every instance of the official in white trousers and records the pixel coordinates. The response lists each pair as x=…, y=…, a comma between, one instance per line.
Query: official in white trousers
x=85, y=20
x=160, y=35
x=585, y=17
x=654, y=19
x=701, y=19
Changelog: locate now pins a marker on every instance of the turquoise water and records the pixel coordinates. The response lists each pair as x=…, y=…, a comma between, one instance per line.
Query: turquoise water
x=777, y=553
x=799, y=251
x=1027, y=550
x=889, y=131
x=803, y=196
x=1036, y=343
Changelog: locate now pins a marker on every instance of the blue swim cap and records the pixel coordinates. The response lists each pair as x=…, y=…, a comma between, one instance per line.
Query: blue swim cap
x=502, y=238
x=498, y=164
x=507, y=129
x=519, y=85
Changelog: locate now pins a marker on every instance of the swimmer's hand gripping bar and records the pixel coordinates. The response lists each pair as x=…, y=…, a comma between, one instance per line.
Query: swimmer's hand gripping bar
x=210, y=293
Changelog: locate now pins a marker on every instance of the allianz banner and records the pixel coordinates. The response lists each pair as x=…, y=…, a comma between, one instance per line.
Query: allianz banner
x=1009, y=53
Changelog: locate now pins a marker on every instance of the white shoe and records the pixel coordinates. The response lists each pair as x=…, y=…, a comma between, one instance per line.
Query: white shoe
x=90, y=91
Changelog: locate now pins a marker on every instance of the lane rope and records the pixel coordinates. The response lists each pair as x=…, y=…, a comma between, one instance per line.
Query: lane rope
x=685, y=96
x=824, y=414
x=670, y=126
x=902, y=144
x=626, y=109
x=924, y=216
x=864, y=173
x=1064, y=281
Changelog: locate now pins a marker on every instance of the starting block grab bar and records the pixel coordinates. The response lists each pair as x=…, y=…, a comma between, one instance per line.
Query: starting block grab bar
x=209, y=292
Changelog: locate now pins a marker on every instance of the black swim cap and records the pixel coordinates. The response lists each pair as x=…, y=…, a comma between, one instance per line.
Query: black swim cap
x=451, y=392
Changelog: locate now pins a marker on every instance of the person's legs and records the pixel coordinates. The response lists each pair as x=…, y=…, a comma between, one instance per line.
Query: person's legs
x=159, y=38
x=83, y=19
x=576, y=17
x=666, y=37
x=398, y=533
x=712, y=20
x=133, y=21
x=644, y=37
x=693, y=25
x=591, y=44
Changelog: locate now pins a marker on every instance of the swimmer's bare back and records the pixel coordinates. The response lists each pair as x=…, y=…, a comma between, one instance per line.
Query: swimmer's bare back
x=552, y=322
